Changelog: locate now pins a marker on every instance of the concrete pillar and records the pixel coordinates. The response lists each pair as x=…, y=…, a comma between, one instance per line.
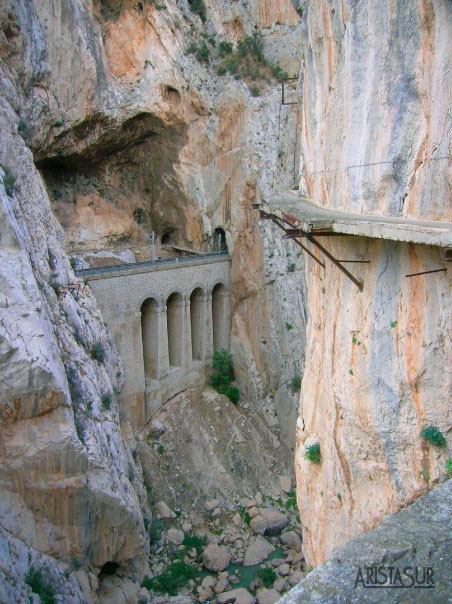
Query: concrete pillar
x=175, y=307
x=220, y=314
x=208, y=323
x=162, y=343
x=187, y=353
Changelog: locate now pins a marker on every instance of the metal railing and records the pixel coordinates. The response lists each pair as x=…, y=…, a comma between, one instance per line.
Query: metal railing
x=180, y=260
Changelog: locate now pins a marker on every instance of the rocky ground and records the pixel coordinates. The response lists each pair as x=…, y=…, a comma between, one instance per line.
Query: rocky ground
x=227, y=551
x=221, y=503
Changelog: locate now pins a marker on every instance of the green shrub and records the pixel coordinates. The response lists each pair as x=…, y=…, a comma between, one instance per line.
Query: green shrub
x=23, y=128
x=312, y=453
x=199, y=8
x=434, y=436
x=202, y=53
x=58, y=123
x=266, y=576
x=291, y=267
x=253, y=45
x=9, y=181
x=289, y=326
x=41, y=586
x=279, y=73
x=233, y=394
x=193, y=541
x=255, y=91
x=295, y=384
x=98, y=352
x=223, y=375
x=225, y=48
x=106, y=400
x=449, y=467
x=246, y=518
x=222, y=365
x=73, y=263
x=291, y=503
x=170, y=582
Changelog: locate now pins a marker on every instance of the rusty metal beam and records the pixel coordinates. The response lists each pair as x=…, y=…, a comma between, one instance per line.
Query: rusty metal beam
x=358, y=283
x=356, y=261
x=436, y=270
x=322, y=264
x=291, y=233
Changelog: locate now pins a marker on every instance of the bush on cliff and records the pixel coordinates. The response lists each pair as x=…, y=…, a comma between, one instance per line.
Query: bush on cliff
x=434, y=436
x=312, y=453
x=41, y=586
x=223, y=375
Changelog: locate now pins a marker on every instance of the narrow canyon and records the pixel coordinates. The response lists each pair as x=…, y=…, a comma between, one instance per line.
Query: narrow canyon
x=225, y=346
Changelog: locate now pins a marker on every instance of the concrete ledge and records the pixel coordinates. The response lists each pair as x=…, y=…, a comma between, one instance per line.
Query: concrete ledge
x=418, y=536
x=311, y=217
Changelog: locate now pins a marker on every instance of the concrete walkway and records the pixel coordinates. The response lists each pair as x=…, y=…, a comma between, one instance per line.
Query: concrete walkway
x=313, y=217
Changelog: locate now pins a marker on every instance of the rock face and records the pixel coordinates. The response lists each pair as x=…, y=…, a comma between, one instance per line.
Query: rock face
x=374, y=376
x=111, y=130
x=415, y=537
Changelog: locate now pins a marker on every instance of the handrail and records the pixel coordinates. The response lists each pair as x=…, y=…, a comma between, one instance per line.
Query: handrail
x=156, y=262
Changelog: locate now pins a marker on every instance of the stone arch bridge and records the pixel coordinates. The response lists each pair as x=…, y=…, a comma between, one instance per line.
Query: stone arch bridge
x=167, y=318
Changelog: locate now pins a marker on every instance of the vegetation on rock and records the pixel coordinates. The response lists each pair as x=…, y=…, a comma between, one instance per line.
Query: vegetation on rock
x=40, y=586
x=175, y=576
x=9, y=181
x=223, y=375
x=267, y=576
x=312, y=453
x=434, y=436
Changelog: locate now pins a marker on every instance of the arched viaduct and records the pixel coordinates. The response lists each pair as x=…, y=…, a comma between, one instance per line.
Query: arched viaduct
x=167, y=318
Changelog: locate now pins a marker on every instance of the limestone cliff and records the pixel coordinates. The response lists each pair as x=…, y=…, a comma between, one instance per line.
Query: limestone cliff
x=114, y=126
x=376, y=139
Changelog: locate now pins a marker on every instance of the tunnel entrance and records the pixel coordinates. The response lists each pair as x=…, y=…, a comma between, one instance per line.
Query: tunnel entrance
x=219, y=240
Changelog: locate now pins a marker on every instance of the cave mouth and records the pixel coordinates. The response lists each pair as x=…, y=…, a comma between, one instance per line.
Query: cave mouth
x=108, y=569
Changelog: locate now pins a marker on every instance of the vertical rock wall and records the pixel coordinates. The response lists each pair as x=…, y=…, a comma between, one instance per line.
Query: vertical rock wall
x=376, y=139
x=111, y=128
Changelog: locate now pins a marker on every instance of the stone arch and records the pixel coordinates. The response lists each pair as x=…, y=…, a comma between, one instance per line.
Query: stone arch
x=149, y=335
x=219, y=320
x=219, y=240
x=174, y=318
x=197, y=323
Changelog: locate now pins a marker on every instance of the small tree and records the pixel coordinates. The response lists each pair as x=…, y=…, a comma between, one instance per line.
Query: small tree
x=223, y=375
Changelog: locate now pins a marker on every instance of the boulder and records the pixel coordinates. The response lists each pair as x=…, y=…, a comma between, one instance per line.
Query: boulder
x=296, y=578
x=163, y=511
x=292, y=540
x=257, y=551
x=211, y=504
x=281, y=584
x=216, y=557
x=283, y=570
x=175, y=536
x=208, y=582
x=267, y=596
x=258, y=524
x=236, y=596
x=276, y=521
x=157, y=428
x=285, y=483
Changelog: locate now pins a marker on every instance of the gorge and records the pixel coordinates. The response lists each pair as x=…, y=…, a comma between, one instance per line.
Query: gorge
x=192, y=408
